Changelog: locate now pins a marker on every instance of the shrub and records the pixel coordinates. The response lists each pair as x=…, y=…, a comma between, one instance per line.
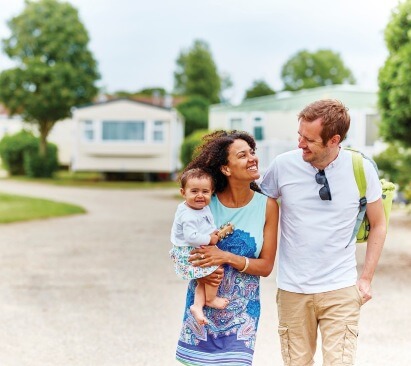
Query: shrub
x=189, y=144
x=12, y=149
x=37, y=166
x=20, y=155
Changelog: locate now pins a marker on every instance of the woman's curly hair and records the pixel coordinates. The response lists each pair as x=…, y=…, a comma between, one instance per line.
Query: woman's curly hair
x=212, y=154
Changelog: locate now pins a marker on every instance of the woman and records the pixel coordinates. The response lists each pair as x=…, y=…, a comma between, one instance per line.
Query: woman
x=249, y=252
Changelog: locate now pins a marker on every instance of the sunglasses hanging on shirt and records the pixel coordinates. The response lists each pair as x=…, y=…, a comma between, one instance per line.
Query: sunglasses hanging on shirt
x=324, y=192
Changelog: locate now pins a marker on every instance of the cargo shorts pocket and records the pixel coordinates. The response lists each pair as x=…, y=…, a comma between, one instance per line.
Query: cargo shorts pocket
x=350, y=344
x=285, y=349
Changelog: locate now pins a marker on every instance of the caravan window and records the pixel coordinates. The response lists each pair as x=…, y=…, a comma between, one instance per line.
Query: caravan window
x=258, y=128
x=158, y=131
x=88, y=130
x=236, y=124
x=123, y=130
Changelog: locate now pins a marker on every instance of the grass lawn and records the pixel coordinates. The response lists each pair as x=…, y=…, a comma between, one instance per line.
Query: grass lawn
x=18, y=208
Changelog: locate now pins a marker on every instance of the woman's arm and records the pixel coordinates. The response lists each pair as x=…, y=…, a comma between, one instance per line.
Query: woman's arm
x=211, y=255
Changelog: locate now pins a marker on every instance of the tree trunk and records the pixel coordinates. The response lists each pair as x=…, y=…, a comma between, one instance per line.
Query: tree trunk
x=43, y=146
x=44, y=129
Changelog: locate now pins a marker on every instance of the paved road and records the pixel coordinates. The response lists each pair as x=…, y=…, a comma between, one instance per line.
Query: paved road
x=99, y=289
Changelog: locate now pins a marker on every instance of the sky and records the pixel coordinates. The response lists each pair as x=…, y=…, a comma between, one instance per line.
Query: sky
x=136, y=42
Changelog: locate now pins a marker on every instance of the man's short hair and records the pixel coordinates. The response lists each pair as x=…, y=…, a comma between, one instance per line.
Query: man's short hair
x=334, y=117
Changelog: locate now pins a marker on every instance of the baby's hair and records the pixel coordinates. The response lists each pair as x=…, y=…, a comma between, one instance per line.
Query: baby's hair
x=195, y=173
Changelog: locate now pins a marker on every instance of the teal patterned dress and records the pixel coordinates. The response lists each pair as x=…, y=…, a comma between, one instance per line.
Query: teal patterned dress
x=229, y=338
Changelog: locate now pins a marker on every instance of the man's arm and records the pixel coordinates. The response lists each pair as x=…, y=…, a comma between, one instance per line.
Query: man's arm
x=375, y=243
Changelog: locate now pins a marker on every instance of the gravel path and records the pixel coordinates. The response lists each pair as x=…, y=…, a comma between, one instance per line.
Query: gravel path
x=99, y=290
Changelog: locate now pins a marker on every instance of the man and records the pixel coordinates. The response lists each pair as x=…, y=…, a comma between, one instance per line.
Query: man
x=317, y=276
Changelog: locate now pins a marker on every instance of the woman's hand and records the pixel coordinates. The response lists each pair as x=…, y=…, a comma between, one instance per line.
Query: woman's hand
x=207, y=256
x=214, y=278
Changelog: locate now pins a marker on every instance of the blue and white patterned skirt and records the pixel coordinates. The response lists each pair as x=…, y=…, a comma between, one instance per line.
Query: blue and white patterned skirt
x=184, y=268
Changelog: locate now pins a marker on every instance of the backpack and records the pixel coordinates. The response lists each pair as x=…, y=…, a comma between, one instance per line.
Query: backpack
x=362, y=225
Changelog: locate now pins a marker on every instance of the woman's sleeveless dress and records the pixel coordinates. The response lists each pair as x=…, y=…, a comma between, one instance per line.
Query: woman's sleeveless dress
x=229, y=338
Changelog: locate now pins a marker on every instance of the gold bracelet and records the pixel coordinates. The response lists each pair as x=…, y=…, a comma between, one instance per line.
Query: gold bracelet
x=247, y=263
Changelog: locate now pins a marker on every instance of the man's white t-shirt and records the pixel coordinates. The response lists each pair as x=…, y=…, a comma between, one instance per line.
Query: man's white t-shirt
x=315, y=253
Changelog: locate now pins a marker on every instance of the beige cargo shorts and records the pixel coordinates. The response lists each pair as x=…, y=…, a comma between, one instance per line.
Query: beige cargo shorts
x=335, y=313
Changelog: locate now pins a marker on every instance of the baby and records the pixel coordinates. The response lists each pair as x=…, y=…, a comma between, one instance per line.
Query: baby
x=193, y=227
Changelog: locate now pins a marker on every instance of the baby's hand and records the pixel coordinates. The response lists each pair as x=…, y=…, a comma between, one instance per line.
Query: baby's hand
x=214, y=238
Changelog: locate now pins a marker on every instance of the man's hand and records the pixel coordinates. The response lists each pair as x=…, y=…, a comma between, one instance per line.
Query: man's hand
x=365, y=289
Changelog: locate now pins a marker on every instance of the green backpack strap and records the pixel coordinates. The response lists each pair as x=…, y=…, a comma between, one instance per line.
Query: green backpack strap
x=357, y=162
x=358, y=166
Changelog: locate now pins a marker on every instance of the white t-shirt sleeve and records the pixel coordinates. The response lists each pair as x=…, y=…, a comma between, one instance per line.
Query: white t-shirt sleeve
x=269, y=183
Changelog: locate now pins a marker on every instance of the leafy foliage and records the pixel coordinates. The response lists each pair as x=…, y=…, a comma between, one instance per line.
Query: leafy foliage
x=189, y=145
x=259, y=89
x=151, y=91
x=395, y=164
x=38, y=166
x=307, y=70
x=197, y=74
x=54, y=68
x=161, y=92
x=195, y=113
x=394, y=97
x=12, y=149
x=20, y=155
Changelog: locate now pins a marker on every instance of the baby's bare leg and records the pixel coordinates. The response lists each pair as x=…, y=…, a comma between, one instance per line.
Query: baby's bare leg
x=199, y=302
x=212, y=300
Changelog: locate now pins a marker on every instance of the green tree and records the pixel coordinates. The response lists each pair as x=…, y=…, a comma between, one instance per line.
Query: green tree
x=197, y=74
x=122, y=94
x=395, y=164
x=307, y=70
x=190, y=144
x=259, y=89
x=195, y=113
x=394, y=96
x=160, y=92
x=54, y=68
x=151, y=91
